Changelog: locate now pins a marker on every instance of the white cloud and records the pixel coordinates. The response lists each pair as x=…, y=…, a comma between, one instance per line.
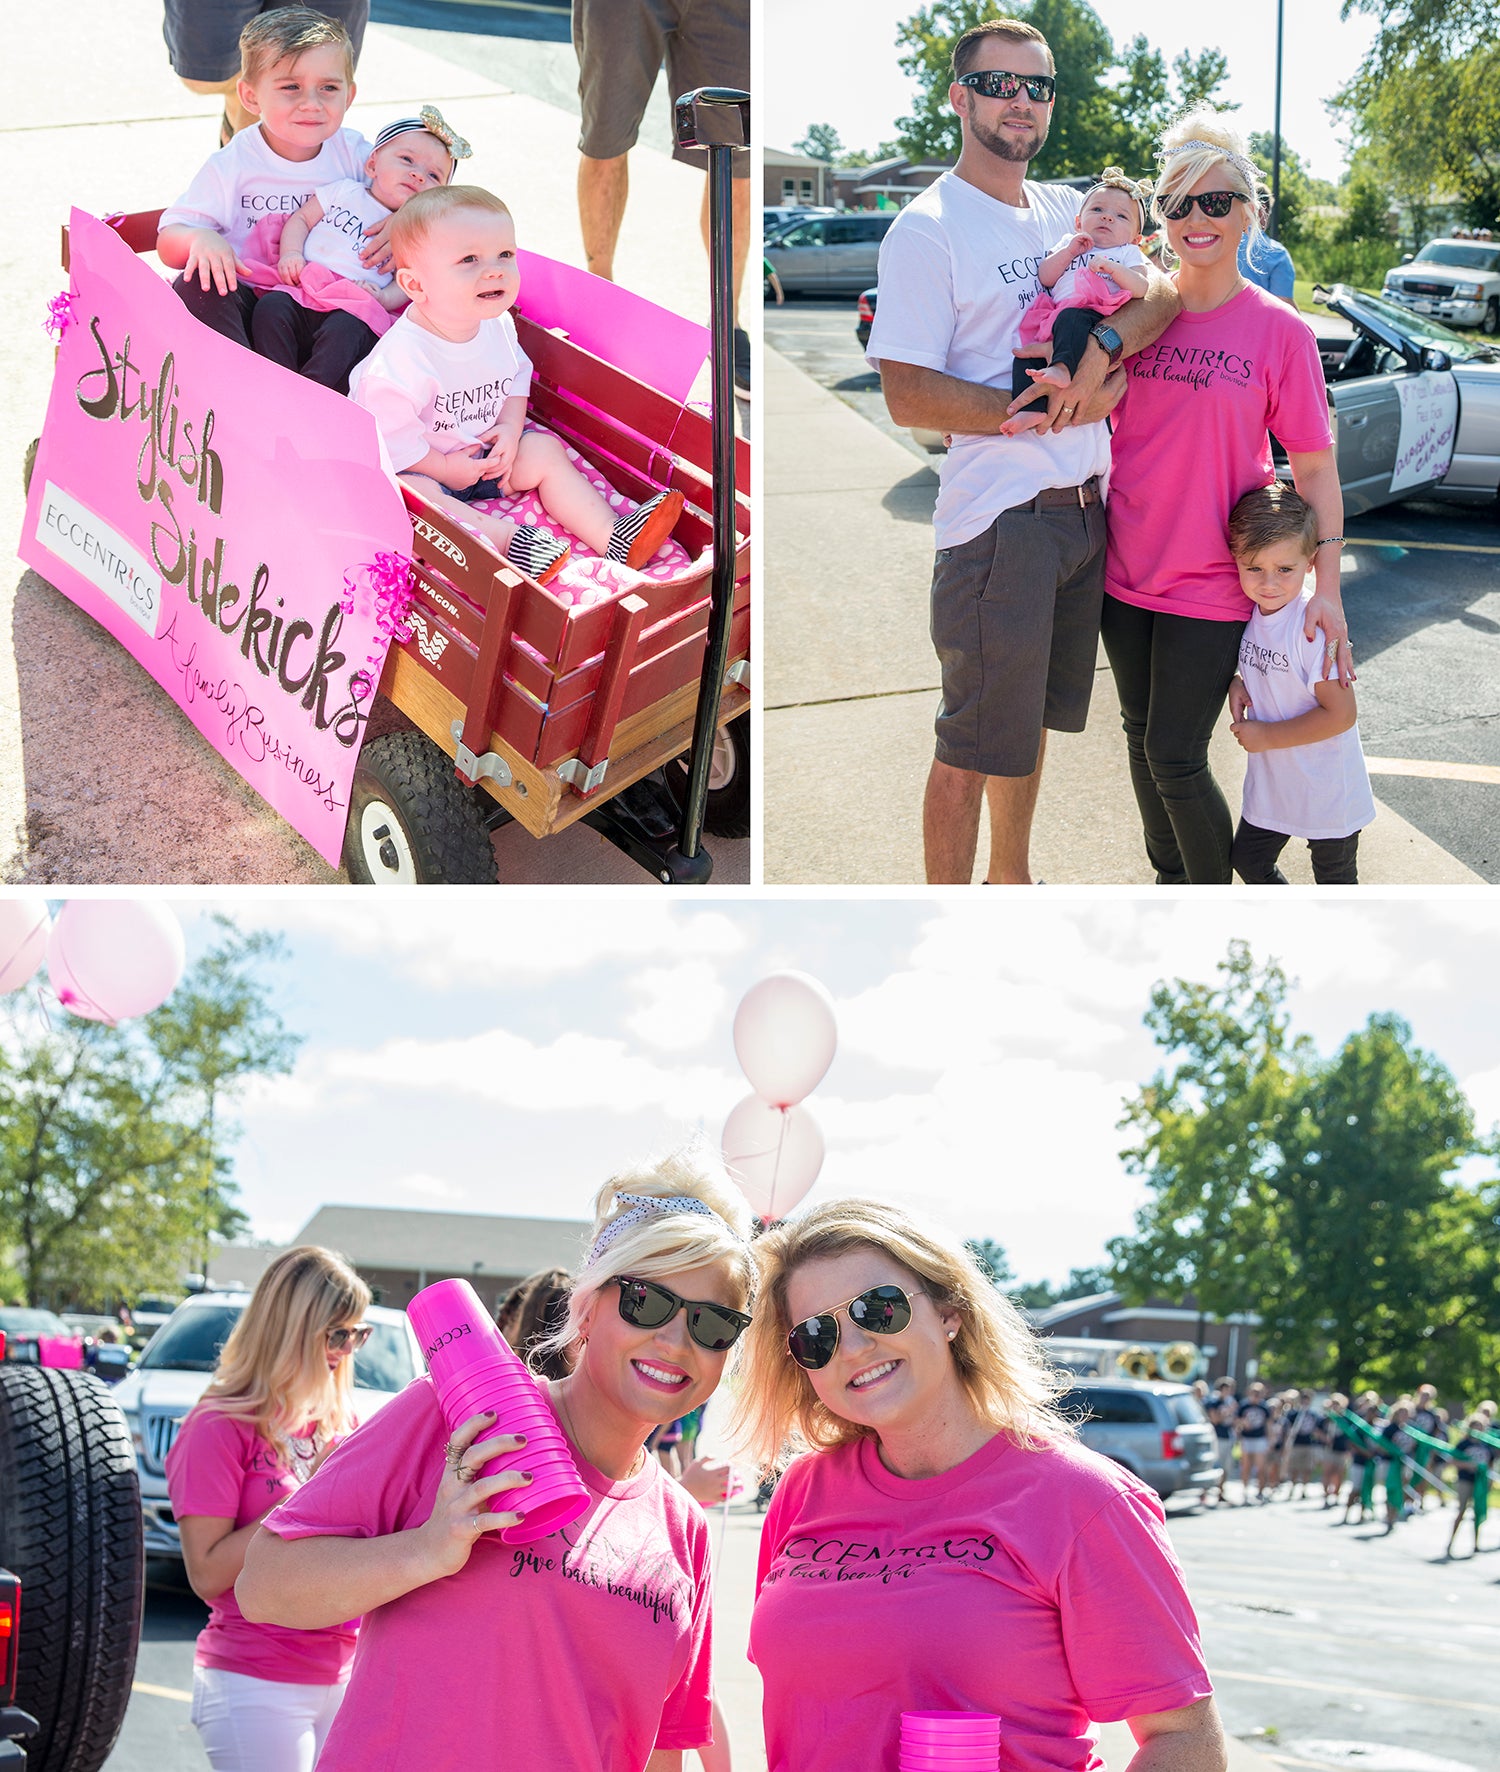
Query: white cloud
x=679, y=1007
x=490, y=942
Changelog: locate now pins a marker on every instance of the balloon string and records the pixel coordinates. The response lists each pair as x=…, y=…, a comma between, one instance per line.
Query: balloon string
x=776, y=1168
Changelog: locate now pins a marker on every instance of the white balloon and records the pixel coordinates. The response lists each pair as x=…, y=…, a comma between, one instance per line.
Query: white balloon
x=110, y=958
x=773, y=1153
x=23, y=940
x=785, y=1035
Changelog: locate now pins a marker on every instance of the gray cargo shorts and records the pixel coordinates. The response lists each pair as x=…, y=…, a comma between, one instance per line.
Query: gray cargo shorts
x=621, y=46
x=1015, y=621
x=203, y=36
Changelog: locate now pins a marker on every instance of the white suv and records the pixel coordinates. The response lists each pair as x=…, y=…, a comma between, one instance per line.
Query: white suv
x=1457, y=281
x=175, y=1371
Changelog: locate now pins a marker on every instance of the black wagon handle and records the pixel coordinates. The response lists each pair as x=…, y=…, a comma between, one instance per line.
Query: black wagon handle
x=685, y=124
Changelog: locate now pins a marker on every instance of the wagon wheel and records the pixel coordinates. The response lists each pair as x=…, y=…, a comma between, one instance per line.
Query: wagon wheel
x=412, y=822
x=727, y=811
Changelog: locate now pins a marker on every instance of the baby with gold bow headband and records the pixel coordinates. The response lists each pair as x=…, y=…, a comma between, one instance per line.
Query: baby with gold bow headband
x=410, y=155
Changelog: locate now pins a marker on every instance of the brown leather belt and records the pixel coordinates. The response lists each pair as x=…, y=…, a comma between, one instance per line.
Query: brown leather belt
x=1074, y=496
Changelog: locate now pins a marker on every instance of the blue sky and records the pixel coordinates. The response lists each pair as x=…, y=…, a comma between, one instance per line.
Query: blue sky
x=831, y=64
x=503, y=1054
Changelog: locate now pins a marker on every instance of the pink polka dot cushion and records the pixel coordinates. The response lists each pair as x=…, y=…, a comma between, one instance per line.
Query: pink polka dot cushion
x=586, y=578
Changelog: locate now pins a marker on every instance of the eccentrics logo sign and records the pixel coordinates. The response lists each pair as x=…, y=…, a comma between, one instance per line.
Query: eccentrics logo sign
x=88, y=544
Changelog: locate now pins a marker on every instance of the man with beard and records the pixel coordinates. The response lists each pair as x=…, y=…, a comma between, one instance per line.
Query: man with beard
x=1019, y=572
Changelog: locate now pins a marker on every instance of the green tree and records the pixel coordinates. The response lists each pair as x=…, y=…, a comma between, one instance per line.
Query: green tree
x=1199, y=78
x=993, y=1261
x=113, y=1170
x=820, y=143
x=1082, y=1282
x=1320, y=1193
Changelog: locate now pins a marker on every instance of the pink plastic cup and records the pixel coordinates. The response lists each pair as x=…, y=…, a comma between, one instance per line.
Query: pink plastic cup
x=473, y=1369
x=949, y=1742
x=949, y=1726
x=980, y=1753
x=912, y=1760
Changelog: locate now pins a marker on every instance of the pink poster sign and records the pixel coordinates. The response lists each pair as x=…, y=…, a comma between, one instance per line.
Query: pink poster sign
x=222, y=518
x=653, y=344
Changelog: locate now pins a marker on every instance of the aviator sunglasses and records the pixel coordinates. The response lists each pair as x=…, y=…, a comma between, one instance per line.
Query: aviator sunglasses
x=1214, y=204
x=883, y=1310
x=645, y=1305
x=339, y=1339
x=997, y=83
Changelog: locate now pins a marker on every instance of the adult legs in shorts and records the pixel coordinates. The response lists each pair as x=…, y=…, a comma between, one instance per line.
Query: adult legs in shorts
x=322, y=346
x=1172, y=674
x=621, y=45
x=203, y=43
x=248, y=1724
x=1015, y=614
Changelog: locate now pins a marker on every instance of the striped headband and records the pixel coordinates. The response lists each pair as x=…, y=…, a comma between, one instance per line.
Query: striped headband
x=429, y=123
x=1245, y=168
x=644, y=1206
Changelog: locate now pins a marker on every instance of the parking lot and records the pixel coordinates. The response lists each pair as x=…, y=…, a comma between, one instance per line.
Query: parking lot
x=1329, y=1646
x=1421, y=589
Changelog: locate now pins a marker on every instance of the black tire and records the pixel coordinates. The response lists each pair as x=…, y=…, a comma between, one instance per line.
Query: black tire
x=726, y=811
x=70, y=1527
x=412, y=821
x=1490, y=324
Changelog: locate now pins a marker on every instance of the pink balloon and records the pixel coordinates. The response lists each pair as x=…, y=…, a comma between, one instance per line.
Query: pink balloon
x=773, y=1153
x=23, y=940
x=785, y=1034
x=110, y=958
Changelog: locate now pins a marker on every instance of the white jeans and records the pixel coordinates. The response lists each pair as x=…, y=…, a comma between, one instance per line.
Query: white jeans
x=251, y=1725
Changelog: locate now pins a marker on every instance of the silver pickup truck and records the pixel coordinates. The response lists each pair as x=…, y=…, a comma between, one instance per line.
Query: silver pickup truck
x=1457, y=281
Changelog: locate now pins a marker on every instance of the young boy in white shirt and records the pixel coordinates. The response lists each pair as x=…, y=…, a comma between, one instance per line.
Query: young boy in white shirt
x=448, y=384
x=297, y=77
x=1306, y=773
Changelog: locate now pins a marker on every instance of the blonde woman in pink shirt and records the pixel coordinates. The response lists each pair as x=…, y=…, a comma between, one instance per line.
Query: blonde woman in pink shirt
x=585, y=1651
x=264, y=1698
x=1191, y=438
x=944, y=1542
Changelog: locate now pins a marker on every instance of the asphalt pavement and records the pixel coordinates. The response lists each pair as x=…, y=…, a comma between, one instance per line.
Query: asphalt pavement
x=102, y=780
x=1329, y=1646
x=851, y=681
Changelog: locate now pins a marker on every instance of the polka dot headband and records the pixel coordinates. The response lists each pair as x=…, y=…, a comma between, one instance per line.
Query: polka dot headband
x=646, y=1206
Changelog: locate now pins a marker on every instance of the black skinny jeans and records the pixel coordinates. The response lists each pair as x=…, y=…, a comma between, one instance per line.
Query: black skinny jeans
x=1256, y=851
x=1172, y=674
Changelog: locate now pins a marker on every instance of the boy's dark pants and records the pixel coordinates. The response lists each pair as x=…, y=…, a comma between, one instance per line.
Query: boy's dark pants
x=1255, y=854
x=323, y=347
x=1070, y=339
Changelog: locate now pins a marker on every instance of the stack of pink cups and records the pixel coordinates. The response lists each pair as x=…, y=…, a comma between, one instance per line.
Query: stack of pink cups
x=474, y=1369
x=949, y=1741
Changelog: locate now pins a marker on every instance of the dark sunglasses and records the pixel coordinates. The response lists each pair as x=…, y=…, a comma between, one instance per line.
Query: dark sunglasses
x=339, y=1339
x=883, y=1310
x=645, y=1305
x=1214, y=204
x=996, y=83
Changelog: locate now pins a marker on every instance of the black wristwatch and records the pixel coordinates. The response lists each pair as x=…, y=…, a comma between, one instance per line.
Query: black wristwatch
x=1110, y=342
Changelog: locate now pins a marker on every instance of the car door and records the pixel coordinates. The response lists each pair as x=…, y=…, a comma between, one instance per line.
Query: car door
x=1395, y=418
x=854, y=251
x=799, y=257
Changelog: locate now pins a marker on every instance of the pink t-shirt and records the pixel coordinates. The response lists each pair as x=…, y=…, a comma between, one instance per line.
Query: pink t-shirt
x=1190, y=441
x=581, y=1652
x=1036, y=1585
x=221, y=1468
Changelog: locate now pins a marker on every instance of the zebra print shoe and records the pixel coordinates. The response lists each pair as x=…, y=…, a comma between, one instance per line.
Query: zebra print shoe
x=539, y=554
x=638, y=537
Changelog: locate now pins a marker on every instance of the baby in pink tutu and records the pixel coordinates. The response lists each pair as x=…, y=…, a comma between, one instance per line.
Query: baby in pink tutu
x=1098, y=268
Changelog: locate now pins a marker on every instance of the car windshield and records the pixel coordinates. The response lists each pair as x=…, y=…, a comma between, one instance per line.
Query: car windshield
x=1185, y=1408
x=385, y=1362
x=1420, y=330
x=1458, y=252
x=26, y=1322
x=193, y=1339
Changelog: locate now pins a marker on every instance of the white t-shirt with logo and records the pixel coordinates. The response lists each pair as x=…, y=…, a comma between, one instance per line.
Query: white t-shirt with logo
x=1308, y=790
x=1062, y=290
x=957, y=271
x=348, y=209
x=428, y=393
x=248, y=180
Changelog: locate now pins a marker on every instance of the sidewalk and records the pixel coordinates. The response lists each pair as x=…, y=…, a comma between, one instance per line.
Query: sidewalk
x=101, y=779
x=850, y=683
